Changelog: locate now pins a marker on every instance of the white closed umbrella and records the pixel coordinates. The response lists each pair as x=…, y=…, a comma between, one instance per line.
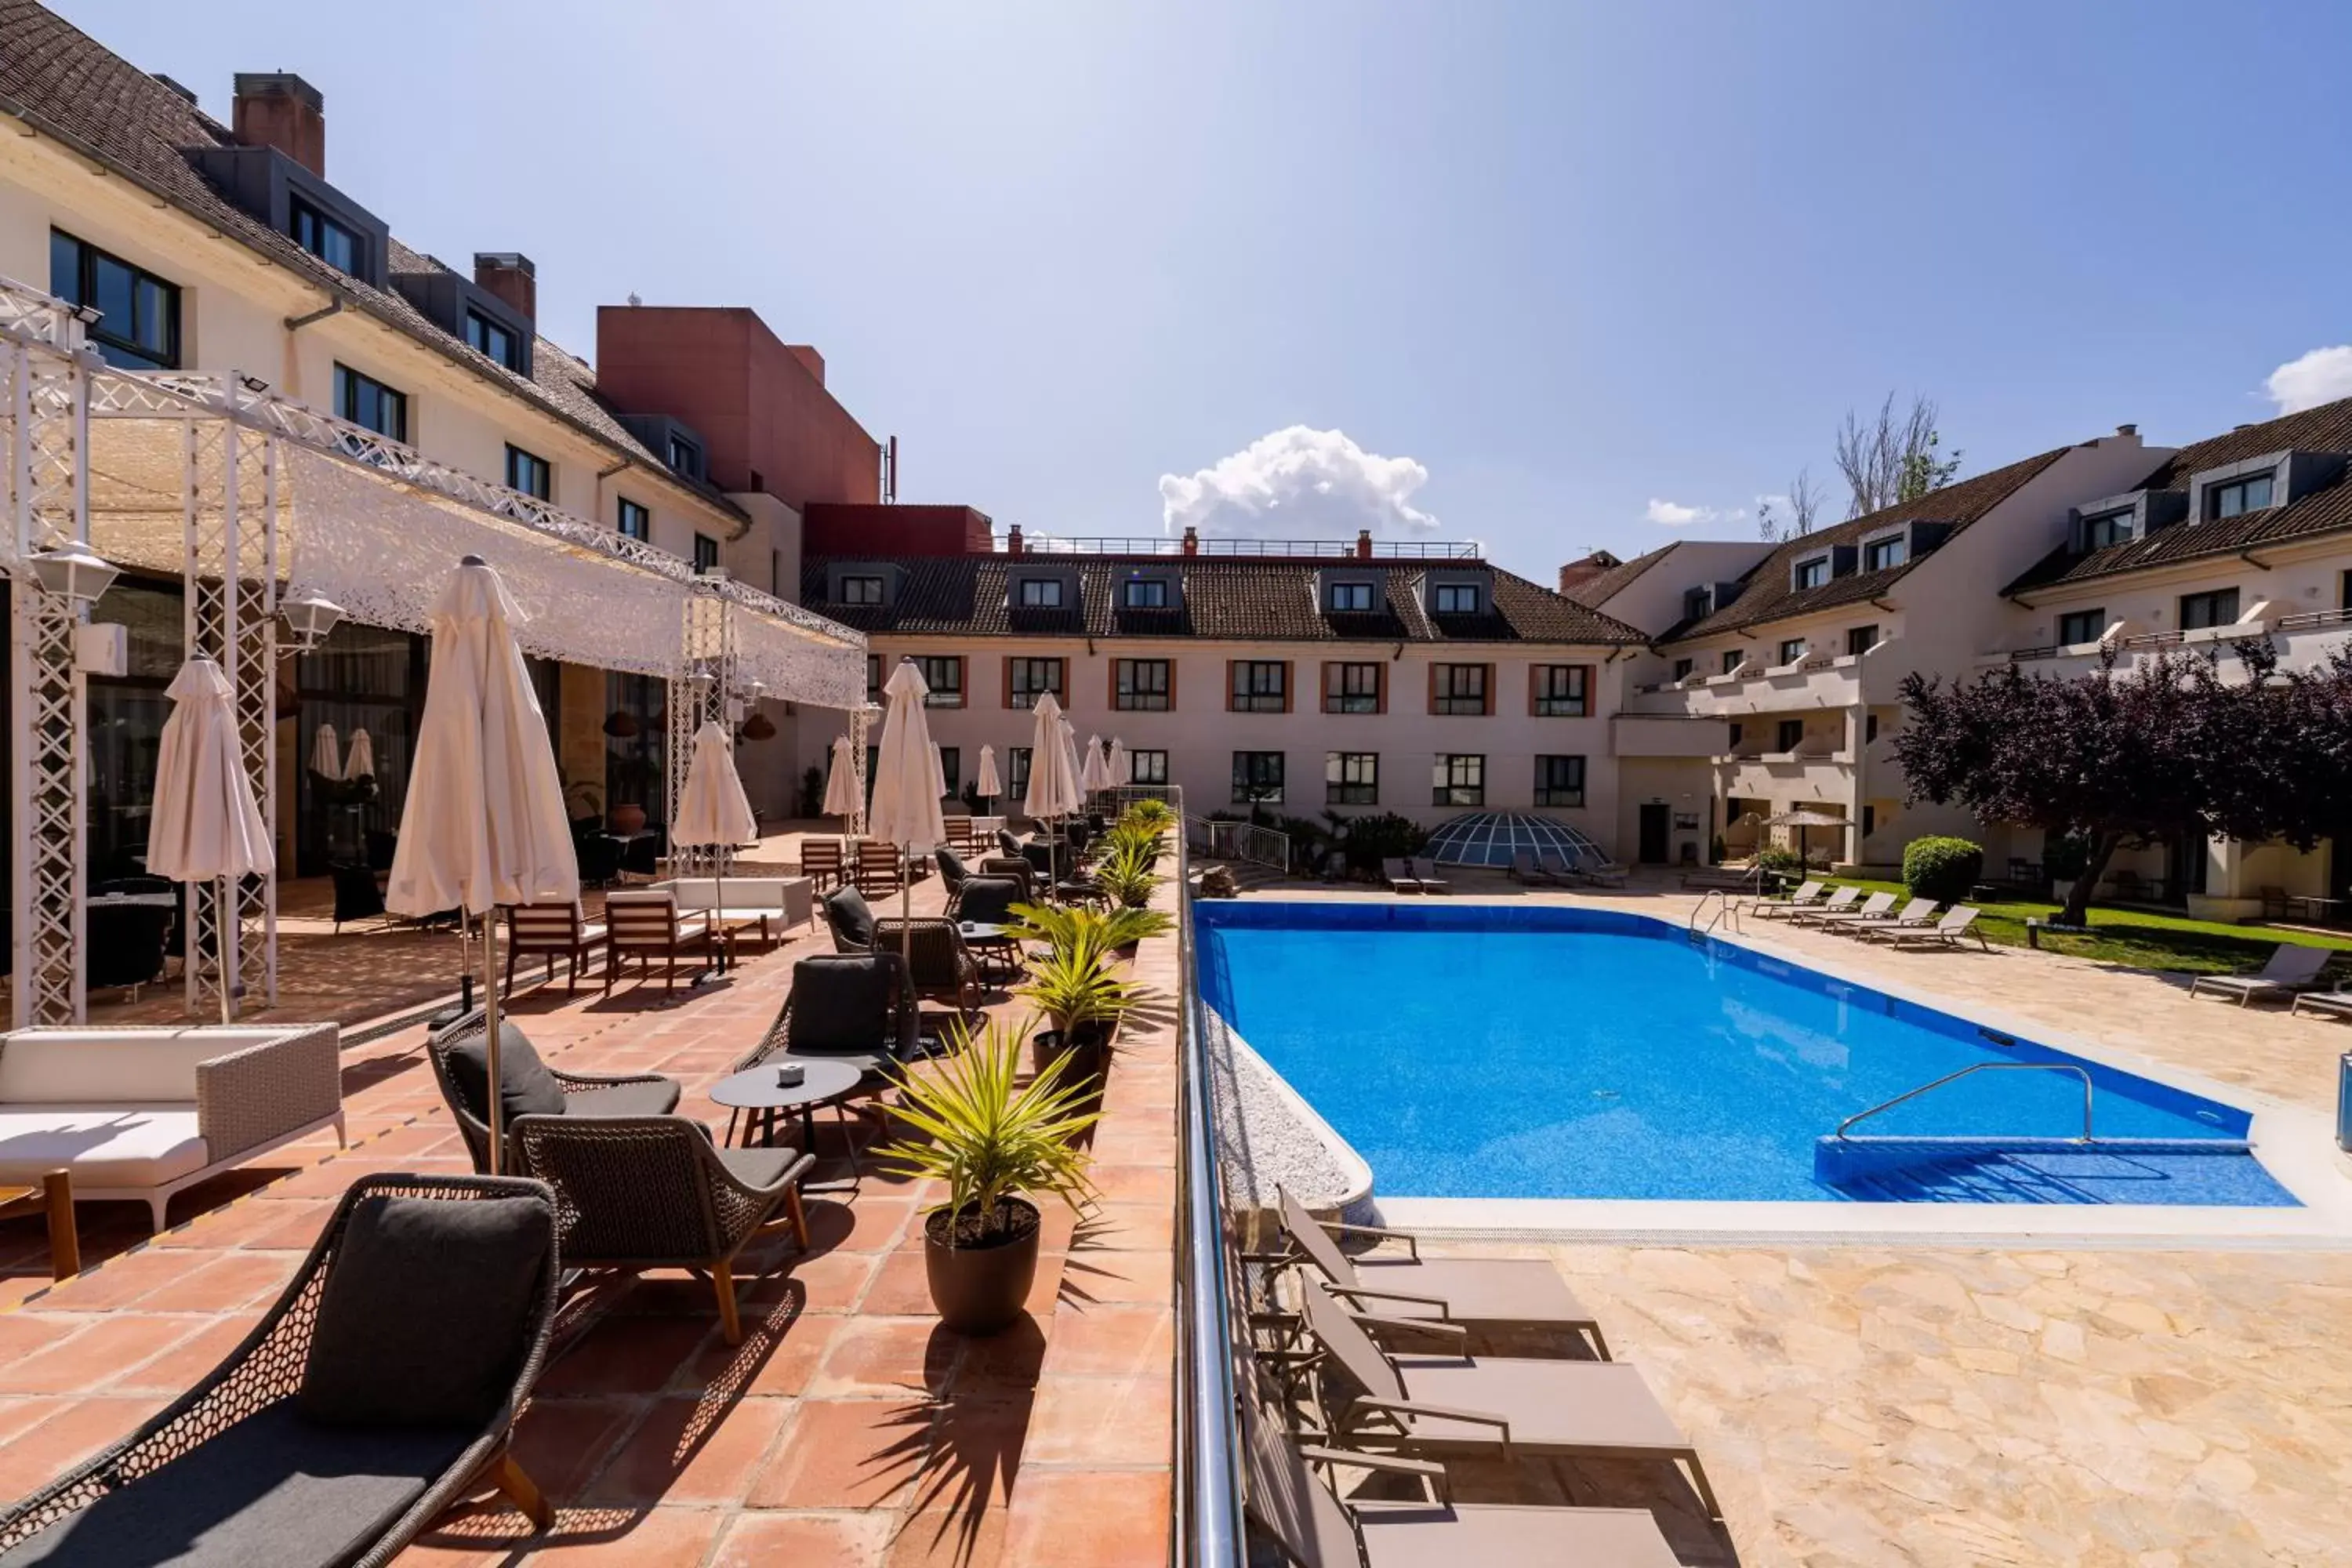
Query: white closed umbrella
x=1122, y=766
x=206, y=827
x=713, y=812
x=359, y=758
x=938, y=771
x=1052, y=765
x=1093, y=776
x=989, y=785
x=840, y=782
x=326, y=755
x=906, y=808
x=484, y=822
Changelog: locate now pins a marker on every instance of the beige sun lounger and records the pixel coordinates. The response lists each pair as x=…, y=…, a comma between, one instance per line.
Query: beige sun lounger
x=1874, y=908
x=1840, y=901
x=1806, y=895
x=1476, y=1292
x=1959, y=922
x=2294, y=967
x=2329, y=1004
x=1400, y=876
x=1425, y=873
x=1919, y=915
x=1315, y=1529
x=1454, y=1403
x=1525, y=869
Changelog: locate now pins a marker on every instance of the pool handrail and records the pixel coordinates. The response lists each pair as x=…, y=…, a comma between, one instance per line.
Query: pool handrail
x=1207, y=1493
x=1982, y=1067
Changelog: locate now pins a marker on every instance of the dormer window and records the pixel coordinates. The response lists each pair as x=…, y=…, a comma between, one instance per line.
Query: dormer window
x=1352, y=596
x=1455, y=599
x=1698, y=603
x=1040, y=593
x=1880, y=554
x=861, y=590
x=1809, y=573
x=492, y=341
x=1143, y=593
x=2227, y=500
x=328, y=240
x=2109, y=528
x=685, y=457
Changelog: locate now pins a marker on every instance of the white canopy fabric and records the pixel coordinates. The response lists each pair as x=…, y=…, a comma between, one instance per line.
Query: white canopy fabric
x=938, y=771
x=1053, y=770
x=359, y=757
x=1122, y=766
x=989, y=786
x=1092, y=774
x=713, y=812
x=1070, y=753
x=840, y=780
x=207, y=823
x=905, y=806
x=326, y=752
x=484, y=822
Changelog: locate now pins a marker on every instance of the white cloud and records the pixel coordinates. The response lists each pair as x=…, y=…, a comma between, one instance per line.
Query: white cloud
x=1674, y=514
x=1298, y=483
x=2323, y=375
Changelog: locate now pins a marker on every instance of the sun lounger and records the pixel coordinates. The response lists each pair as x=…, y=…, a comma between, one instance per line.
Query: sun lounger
x=1876, y=907
x=1315, y=1529
x=1596, y=871
x=1806, y=895
x=1840, y=901
x=1400, y=876
x=1919, y=915
x=1525, y=869
x=2329, y=1004
x=2294, y=967
x=1476, y=1292
x=1454, y=1403
x=1425, y=873
x=1957, y=921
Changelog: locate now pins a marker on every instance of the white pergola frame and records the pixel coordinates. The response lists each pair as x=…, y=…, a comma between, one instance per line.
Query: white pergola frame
x=233, y=437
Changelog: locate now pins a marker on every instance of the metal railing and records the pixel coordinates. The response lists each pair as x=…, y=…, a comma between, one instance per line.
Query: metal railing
x=1284, y=548
x=1725, y=910
x=2311, y=620
x=1207, y=1484
x=1981, y=1067
x=1223, y=840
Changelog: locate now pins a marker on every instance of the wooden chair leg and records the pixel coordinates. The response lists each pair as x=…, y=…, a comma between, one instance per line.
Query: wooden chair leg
x=65, y=1241
x=723, y=1279
x=798, y=1215
x=522, y=1491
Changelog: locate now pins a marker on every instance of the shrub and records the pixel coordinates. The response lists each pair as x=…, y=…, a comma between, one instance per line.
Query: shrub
x=1943, y=870
x=2064, y=856
x=1780, y=860
x=1368, y=840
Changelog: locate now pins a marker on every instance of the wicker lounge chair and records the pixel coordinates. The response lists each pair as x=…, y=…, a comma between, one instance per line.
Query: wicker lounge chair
x=1016, y=867
x=1806, y=895
x=952, y=870
x=1476, y=1292
x=460, y=1061
x=654, y=1191
x=850, y=918
x=380, y=1389
x=1315, y=1529
x=1454, y=1402
x=853, y=1007
x=2293, y=968
x=941, y=967
x=2324, y=1004
x=1957, y=922
x=1841, y=900
x=1400, y=876
x=1919, y=915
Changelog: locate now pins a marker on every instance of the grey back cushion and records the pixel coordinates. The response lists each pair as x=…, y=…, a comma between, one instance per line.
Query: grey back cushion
x=427, y=1307
x=527, y=1087
x=989, y=900
x=841, y=1002
x=846, y=911
x=952, y=870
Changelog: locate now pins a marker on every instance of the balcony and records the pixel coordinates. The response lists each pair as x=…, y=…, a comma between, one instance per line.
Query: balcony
x=1817, y=680
x=2304, y=641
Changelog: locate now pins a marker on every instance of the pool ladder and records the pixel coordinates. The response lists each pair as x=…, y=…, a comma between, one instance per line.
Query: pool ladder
x=1981, y=1067
x=1724, y=910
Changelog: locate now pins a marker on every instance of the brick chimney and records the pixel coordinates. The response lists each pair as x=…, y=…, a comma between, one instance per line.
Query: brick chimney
x=1586, y=570
x=279, y=109
x=1191, y=539
x=1012, y=540
x=811, y=361
x=1363, y=544
x=509, y=274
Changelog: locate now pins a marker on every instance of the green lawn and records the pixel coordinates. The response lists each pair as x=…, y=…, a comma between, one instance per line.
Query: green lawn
x=2138, y=939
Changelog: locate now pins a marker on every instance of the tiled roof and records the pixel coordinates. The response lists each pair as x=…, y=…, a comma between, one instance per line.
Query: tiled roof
x=1766, y=594
x=1598, y=590
x=2327, y=428
x=58, y=79
x=1234, y=600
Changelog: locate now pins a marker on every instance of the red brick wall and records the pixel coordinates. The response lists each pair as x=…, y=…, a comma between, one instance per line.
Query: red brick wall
x=760, y=405
x=840, y=529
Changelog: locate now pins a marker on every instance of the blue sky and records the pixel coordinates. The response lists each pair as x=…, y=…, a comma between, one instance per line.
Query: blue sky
x=1567, y=259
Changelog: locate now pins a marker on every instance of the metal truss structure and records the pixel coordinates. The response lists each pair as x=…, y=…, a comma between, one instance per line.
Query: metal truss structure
x=704, y=689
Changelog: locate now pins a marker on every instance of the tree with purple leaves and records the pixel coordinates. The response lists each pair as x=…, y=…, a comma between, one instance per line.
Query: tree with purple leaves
x=2166, y=748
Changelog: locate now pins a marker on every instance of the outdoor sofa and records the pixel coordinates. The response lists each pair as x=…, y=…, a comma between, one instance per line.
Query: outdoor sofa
x=775, y=903
x=147, y=1112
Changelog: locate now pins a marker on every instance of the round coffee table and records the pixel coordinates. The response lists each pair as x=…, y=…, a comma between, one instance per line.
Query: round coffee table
x=992, y=944
x=755, y=1091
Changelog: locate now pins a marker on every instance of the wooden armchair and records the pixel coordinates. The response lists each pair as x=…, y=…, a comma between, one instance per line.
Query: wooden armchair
x=877, y=868
x=821, y=862
x=551, y=931
x=647, y=925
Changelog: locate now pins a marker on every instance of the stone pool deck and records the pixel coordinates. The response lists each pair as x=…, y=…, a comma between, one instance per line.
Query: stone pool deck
x=1954, y=1406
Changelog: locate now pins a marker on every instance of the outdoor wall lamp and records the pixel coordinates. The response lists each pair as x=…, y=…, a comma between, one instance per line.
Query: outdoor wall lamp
x=309, y=617
x=74, y=570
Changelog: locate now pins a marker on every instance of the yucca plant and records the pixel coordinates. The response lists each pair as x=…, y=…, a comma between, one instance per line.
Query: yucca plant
x=1077, y=987
x=988, y=1136
x=1075, y=928
x=1125, y=873
x=1154, y=815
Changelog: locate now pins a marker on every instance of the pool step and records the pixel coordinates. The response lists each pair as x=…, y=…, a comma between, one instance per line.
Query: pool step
x=2003, y=1171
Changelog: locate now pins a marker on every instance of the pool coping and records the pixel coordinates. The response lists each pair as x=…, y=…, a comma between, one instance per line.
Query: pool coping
x=2297, y=1145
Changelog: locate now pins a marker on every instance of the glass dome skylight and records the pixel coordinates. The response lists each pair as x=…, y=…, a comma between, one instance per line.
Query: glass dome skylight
x=1493, y=837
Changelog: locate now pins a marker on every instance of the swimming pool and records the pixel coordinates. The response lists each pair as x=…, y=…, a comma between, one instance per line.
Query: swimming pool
x=1470, y=1050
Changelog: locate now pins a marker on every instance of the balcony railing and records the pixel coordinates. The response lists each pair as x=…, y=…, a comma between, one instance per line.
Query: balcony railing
x=1313, y=549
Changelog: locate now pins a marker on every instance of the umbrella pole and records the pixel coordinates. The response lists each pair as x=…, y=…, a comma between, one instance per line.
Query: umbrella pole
x=222, y=927
x=491, y=1021
x=907, y=908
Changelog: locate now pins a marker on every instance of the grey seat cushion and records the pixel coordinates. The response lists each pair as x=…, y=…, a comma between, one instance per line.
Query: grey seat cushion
x=275, y=1488
x=528, y=1089
x=624, y=1099
x=760, y=1167
x=426, y=1317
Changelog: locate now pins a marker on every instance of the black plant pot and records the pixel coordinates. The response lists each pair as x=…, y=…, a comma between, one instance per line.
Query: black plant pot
x=982, y=1288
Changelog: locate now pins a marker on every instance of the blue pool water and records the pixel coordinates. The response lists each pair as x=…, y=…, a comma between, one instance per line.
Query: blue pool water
x=1482, y=1051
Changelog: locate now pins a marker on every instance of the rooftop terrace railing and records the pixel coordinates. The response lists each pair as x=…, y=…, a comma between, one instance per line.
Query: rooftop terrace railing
x=1208, y=1488
x=1316, y=549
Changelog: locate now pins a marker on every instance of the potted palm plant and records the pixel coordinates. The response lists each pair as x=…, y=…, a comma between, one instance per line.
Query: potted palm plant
x=991, y=1140
x=1125, y=874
